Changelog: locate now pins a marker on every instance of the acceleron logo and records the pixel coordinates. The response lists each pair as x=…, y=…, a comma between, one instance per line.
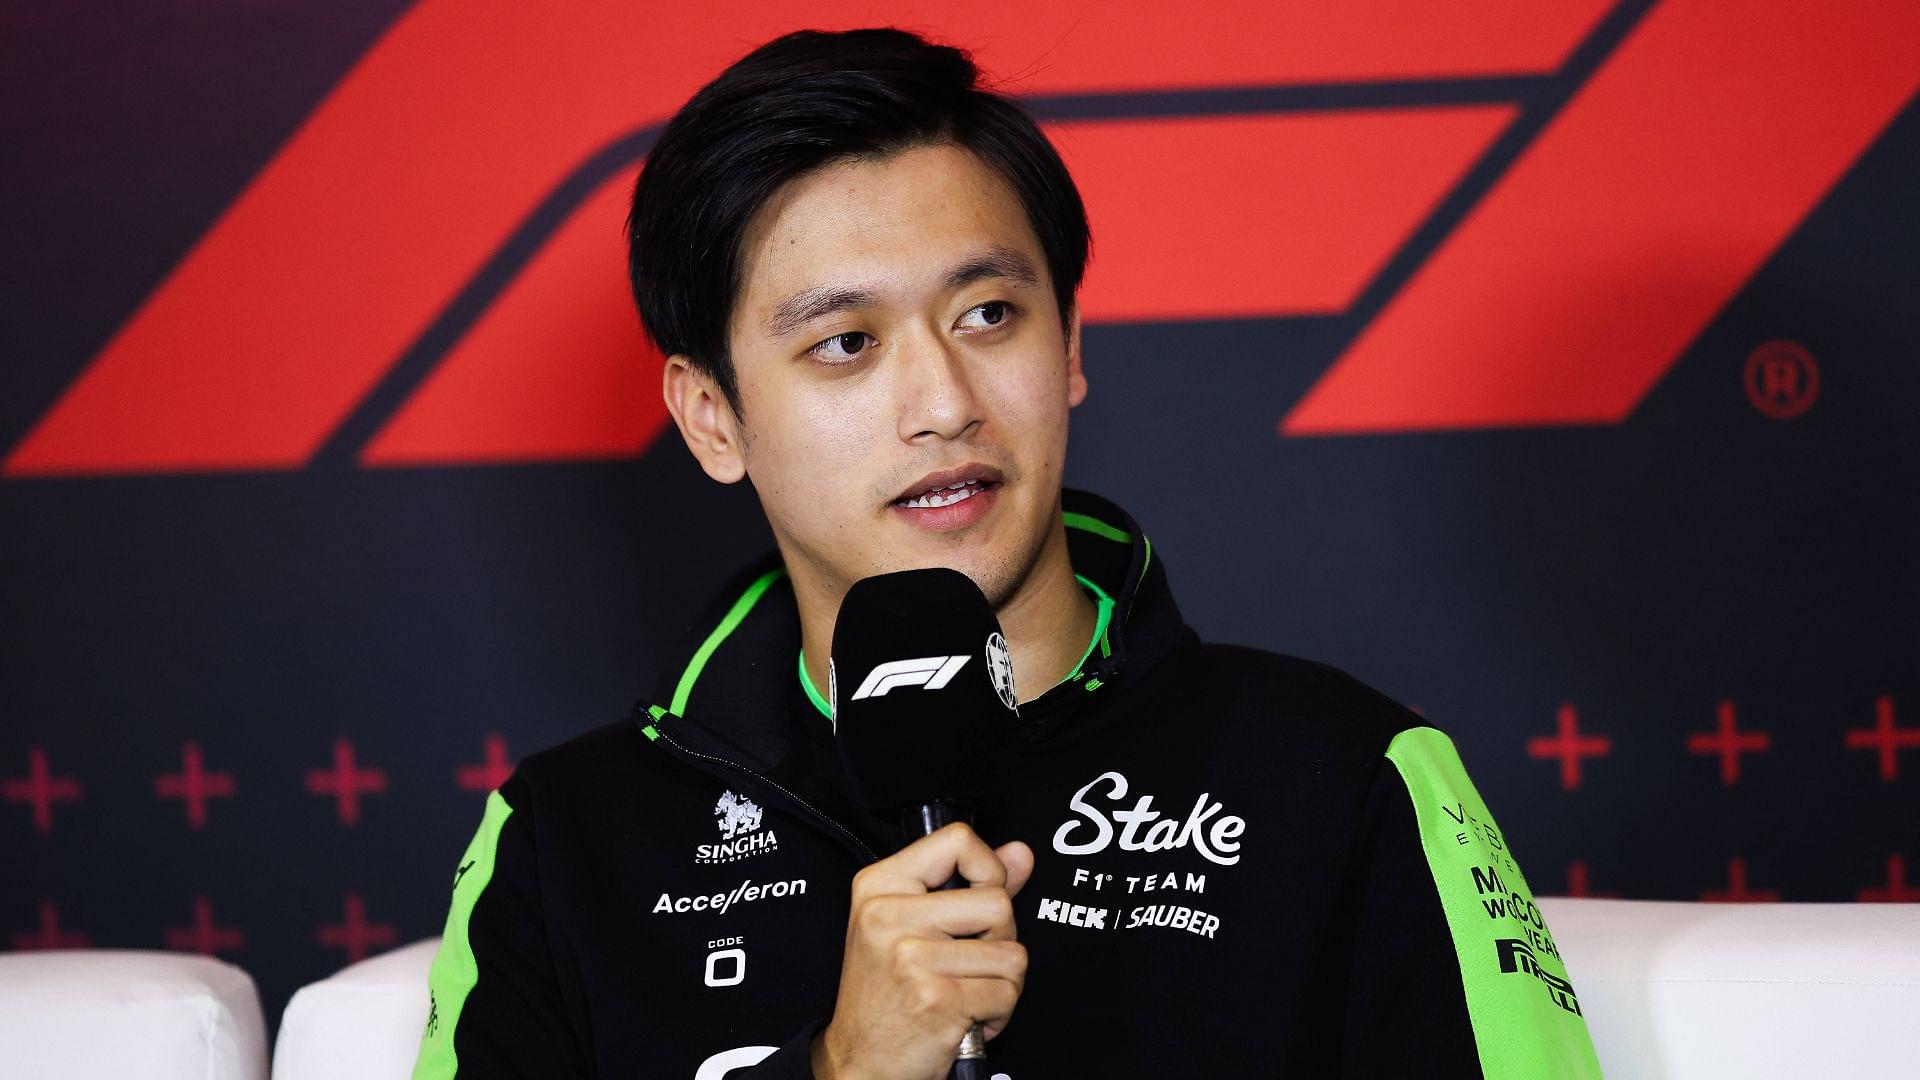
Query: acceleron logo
x=422, y=277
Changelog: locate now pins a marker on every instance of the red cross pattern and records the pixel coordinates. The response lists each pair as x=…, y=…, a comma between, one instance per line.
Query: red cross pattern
x=193, y=785
x=355, y=934
x=1569, y=746
x=345, y=782
x=1578, y=882
x=50, y=935
x=1737, y=890
x=1884, y=737
x=1729, y=742
x=1896, y=890
x=203, y=936
x=41, y=788
x=492, y=772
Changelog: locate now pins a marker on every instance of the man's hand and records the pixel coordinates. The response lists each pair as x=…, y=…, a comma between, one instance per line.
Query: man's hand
x=922, y=967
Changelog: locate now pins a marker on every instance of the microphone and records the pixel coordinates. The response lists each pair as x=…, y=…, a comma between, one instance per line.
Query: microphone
x=924, y=709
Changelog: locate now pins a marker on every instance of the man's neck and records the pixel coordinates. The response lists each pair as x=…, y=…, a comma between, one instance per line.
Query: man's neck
x=1046, y=622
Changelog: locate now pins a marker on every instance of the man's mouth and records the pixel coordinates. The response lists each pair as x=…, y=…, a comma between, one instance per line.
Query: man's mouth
x=949, y=486
x=946, y=496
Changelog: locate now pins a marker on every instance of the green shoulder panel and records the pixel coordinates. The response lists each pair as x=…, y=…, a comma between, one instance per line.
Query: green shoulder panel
x=1526, y=1017
x=454, y=971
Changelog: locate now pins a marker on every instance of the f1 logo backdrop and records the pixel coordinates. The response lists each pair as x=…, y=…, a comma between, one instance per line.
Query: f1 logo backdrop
x=1692, y=129
x=1546, y=366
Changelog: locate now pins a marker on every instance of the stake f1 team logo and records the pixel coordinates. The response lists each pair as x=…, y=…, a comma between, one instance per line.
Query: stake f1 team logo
x=1142, y=828
x=1477, y=186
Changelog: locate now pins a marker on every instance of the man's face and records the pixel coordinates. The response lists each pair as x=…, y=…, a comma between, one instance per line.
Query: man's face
x=896, y=319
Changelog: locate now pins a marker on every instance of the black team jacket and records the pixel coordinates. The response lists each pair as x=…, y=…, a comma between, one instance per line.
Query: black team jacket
x=1246, y=864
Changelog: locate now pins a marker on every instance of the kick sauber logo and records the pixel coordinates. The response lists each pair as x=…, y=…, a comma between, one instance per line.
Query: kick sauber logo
x=740, y=829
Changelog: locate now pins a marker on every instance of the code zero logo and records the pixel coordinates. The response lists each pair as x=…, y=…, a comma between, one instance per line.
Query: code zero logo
x=1470, y=194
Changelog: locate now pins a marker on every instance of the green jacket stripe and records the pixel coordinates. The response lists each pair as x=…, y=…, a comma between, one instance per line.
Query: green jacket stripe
x=454, y=972
x=1526, y=1017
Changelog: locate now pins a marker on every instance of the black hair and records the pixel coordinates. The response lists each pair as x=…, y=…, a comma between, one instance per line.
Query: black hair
x=800, y=101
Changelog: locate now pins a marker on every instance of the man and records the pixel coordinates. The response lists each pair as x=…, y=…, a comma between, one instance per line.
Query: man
x=1211, y=860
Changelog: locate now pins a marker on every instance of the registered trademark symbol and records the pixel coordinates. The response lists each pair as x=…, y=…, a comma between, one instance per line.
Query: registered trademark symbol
x=1781, y=379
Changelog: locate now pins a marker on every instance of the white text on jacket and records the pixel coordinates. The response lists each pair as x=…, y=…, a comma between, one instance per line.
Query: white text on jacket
x=721, y=901
x=1216, y=842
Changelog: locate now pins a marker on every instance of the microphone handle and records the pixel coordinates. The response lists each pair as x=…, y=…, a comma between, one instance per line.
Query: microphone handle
x=918, y=821
x=970, y=1069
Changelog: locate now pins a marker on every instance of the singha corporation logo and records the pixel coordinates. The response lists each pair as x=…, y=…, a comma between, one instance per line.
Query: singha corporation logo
x=738, y=814
x=739, y=821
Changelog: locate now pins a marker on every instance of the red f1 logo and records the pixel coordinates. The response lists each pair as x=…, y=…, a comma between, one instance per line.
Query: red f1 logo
x=451, y=209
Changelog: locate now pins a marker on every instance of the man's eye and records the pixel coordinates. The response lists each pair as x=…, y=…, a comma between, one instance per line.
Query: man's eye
x=998, y=312
x=849, y=343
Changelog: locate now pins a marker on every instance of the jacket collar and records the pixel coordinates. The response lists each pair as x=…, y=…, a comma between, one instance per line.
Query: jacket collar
x=734, y=684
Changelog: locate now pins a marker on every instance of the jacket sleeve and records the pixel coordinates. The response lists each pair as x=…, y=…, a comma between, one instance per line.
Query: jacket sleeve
x=1453, y=972
x=495, y=1006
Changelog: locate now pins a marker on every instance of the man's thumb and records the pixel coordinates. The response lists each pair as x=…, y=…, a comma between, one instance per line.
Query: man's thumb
x=1017, y=857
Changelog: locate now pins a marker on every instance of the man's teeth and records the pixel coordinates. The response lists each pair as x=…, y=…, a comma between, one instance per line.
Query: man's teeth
x=947, y=496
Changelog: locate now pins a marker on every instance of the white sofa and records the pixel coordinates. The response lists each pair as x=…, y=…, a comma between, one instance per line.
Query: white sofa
x=99, y=1013
x=363, y=1022
x=1670, y=990
x=1691, y=991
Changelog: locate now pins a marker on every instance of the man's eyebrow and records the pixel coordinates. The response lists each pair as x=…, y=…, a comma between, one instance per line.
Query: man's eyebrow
x=822, y=300
x=993, y=262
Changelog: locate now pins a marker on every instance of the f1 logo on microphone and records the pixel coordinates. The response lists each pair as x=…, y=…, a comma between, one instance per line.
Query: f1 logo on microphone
x=932, y=672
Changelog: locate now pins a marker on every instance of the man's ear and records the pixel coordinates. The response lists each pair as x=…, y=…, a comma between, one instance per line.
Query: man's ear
x=705, y=419
x=1076, y=379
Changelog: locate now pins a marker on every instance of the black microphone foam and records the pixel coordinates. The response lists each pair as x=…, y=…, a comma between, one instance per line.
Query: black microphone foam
x=922, y=690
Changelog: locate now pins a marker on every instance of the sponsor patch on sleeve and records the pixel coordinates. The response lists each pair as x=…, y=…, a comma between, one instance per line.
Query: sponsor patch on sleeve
x=1526, y=1016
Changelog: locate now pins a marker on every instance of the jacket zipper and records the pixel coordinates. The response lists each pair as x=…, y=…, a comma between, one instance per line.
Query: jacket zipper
x=797, y=800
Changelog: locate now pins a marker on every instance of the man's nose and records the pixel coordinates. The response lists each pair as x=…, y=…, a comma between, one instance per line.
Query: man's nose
x=936, y=390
